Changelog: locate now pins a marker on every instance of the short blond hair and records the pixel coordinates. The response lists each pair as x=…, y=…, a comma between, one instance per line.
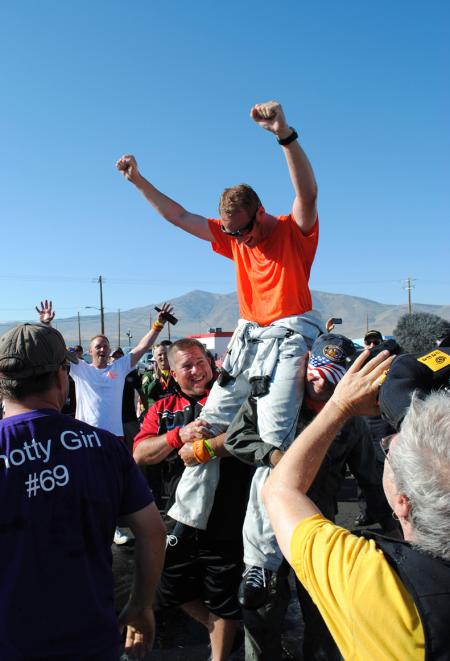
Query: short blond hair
x=239, y=198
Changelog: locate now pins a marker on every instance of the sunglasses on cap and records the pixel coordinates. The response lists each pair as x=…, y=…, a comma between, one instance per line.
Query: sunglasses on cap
x=242, y=231
x=374, y=343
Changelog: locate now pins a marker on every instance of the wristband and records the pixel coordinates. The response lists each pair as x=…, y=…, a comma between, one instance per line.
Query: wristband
x=200, y=452
x=173, y=438
x=287, y=141
x=209, y=448
x=157, y=326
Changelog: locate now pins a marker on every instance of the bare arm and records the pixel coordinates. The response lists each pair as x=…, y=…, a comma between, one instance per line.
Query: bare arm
x=149, y=339
x=284, y=492
x=137, y=615
x=166, y=207
x=46, y=315
x=271, y=117
x=152, y=450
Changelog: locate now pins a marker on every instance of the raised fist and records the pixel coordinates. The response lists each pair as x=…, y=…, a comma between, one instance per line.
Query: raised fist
x=127, y=165
x=270, y=116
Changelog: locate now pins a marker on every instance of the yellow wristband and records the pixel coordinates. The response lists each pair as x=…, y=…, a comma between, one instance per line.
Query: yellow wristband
x=209, y=447
x=157, y=326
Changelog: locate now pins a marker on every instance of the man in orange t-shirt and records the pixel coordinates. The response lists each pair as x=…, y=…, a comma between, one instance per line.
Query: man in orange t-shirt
x=273, y=257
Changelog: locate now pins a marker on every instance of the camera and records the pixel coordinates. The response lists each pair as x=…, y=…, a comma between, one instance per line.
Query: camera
x=167, y=316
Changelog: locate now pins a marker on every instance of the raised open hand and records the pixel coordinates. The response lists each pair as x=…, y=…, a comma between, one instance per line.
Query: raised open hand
x=45, y=312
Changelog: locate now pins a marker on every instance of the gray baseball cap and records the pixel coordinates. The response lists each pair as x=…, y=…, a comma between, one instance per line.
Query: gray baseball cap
x=31, y=350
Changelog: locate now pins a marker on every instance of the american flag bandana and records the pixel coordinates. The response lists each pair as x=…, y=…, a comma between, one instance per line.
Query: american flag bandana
x=325, y=368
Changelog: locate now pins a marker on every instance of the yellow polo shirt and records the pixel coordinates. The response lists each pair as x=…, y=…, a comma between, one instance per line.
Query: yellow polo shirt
x=367, y=609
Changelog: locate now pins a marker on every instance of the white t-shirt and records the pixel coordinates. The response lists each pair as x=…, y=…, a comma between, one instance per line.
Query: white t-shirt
x=99, y=393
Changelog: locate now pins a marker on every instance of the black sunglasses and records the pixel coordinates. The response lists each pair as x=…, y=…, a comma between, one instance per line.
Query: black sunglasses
x=243, y=230
x=66, y=366
x=385, y=444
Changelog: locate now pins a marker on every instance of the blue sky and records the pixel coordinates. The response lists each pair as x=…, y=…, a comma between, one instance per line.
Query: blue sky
x=366, y=84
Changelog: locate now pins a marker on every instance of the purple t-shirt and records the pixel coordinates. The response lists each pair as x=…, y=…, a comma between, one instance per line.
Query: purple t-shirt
x=63, y=484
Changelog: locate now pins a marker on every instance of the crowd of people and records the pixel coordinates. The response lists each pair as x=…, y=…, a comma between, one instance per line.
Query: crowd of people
x=224, y=480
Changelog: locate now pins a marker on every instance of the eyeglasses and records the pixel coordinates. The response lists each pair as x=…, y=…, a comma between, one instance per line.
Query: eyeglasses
x=385, y=444
x=66, y=366
x=243, y=230
x=372, y=343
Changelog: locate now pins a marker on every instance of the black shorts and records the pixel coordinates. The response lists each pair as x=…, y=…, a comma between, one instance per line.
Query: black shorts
x=205, y=569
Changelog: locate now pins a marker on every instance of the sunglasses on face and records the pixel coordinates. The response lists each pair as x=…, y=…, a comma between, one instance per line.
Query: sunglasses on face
x=66, y=366
x=242, y=231
x=373, y=343
x=385, y=444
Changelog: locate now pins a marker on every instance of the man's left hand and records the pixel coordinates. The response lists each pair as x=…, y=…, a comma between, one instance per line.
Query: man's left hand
x=271, y=117
x=186, y=454
x=165, y=308
x=140, y=629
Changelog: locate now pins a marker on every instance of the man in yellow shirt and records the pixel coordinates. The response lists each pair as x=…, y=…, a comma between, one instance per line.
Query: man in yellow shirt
x=389, y=604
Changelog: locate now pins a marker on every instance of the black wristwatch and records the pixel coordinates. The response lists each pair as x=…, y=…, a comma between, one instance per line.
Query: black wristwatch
x=287, y=141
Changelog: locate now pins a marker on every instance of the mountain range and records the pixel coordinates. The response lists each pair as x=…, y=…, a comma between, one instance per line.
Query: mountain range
x=199, y=311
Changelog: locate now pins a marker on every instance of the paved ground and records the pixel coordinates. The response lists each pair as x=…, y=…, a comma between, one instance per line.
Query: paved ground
x=181, y=639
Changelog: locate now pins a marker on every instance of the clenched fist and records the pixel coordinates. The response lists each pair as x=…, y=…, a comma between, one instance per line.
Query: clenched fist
x=127, y=165
x=271, y=117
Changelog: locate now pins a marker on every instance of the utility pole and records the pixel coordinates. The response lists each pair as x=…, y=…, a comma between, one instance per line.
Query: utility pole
x=367, y=322
x=102, y=310
x=79, y=329
x=409, y=285
x=118, y=319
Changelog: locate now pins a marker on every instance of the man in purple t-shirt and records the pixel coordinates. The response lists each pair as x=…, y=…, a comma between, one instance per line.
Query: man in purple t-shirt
x=63, y=483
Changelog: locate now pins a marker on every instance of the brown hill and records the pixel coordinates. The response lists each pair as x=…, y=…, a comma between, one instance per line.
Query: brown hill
x=198, y=311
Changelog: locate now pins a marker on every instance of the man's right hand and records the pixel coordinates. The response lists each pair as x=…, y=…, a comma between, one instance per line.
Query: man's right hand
x=166, y=207
x=357, y=392
x=128, y=166
x=46, y=313
x=195, y=430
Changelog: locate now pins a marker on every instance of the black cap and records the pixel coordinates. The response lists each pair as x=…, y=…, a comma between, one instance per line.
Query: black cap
x=409, y=372
x=336, y=348
x=373, y=335
x=329, y=356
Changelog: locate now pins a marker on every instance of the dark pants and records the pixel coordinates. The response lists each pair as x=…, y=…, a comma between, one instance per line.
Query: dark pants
x=263, y=627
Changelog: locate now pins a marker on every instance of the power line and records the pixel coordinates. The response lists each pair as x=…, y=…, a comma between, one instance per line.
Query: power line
x=111, y=281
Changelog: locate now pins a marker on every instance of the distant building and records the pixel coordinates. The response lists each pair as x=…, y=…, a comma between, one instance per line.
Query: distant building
x=216, y=340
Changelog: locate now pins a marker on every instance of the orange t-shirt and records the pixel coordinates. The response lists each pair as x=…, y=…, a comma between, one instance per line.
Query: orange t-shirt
x=272, y=277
